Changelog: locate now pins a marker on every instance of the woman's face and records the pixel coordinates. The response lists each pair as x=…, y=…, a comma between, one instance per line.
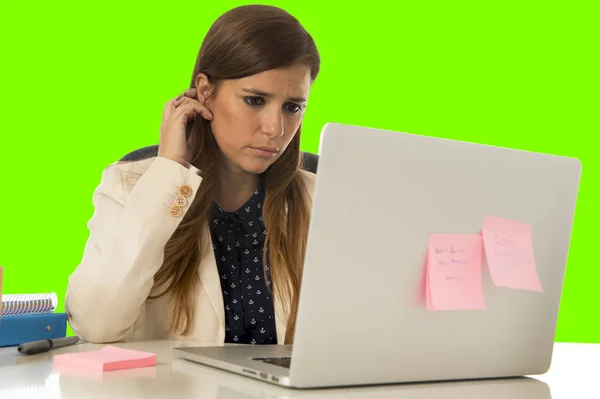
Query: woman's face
x=255, y=118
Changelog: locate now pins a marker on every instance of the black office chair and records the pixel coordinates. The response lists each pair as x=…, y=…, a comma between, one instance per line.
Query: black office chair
x=310, y=160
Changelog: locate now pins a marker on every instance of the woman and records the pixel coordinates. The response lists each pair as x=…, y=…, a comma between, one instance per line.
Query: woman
x=206, y=241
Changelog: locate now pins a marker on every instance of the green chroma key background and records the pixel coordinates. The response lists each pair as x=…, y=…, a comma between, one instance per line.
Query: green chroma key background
x=82, y=84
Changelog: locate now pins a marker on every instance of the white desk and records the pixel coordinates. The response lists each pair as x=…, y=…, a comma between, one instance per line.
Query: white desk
x=574, y=374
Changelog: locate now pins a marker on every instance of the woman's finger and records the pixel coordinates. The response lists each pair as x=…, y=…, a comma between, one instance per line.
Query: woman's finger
x=189, y=93
x=182, y=100
x=190, y=107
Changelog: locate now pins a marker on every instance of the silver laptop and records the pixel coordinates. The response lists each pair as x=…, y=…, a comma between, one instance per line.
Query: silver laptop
x=362, y=318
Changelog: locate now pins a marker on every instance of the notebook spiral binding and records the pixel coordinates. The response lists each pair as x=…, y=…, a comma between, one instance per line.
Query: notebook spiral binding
x=28, y=304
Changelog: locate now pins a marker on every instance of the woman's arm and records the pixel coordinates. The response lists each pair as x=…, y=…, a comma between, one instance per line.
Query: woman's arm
x=128, y=233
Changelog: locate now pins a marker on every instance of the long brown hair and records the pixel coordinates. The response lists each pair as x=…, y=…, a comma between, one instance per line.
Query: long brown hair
x=245, y=41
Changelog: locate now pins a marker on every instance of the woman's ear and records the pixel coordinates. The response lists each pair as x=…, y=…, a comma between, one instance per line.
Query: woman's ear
x=203, y=86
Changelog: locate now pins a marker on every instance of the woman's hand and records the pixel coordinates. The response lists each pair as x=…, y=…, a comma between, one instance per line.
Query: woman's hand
x=177, y=112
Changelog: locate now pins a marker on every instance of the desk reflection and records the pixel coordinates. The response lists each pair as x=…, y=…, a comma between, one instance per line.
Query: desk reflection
x=183, y=379
x=213, y=383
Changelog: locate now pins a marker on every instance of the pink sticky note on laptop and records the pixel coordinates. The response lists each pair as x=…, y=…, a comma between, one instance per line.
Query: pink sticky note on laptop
x=453, y=272
x=509, y=254
x=109, y=358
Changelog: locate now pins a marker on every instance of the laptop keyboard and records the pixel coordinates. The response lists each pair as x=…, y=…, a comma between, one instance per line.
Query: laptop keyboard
x=277, y=361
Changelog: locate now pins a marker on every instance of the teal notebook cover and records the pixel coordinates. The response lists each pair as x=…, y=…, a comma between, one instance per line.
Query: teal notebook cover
x=15, y=330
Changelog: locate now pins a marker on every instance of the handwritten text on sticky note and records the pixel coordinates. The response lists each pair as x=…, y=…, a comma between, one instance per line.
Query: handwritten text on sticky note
x=453, y=272
x=509, y=254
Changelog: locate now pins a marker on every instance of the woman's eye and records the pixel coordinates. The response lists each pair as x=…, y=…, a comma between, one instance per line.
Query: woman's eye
x=258, y=101
x=253, y=100
x=293, y=108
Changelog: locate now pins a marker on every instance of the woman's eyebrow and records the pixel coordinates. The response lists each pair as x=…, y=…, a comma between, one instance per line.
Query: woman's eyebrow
x=265, y=94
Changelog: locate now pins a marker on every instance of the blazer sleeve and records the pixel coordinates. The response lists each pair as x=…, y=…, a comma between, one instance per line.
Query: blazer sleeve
x=125, y=248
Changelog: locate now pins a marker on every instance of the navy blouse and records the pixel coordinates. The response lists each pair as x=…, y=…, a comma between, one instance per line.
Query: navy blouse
x=238, y=238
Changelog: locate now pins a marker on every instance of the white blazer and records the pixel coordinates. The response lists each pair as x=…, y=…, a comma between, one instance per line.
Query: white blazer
x=107, y=294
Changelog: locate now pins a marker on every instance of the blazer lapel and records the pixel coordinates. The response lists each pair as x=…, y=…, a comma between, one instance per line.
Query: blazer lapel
x=209, y=278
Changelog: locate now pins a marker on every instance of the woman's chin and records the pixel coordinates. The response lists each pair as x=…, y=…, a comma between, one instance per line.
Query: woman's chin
x=257, y=166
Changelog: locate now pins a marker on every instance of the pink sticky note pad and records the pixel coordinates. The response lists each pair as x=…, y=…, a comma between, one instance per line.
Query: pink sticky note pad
x=98, y=375
x=454, y=276
x=509, y=254
x=109, y=358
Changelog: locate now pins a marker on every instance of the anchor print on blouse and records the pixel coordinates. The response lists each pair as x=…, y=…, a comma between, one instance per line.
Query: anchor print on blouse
x=238, y=239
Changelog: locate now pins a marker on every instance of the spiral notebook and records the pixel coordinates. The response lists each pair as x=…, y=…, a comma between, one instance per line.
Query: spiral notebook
x=28, y=304
x=30, y=317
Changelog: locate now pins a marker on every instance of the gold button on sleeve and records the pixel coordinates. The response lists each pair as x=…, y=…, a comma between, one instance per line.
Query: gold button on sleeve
x=180, y=200
x=185, y=190
x=175, y=211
